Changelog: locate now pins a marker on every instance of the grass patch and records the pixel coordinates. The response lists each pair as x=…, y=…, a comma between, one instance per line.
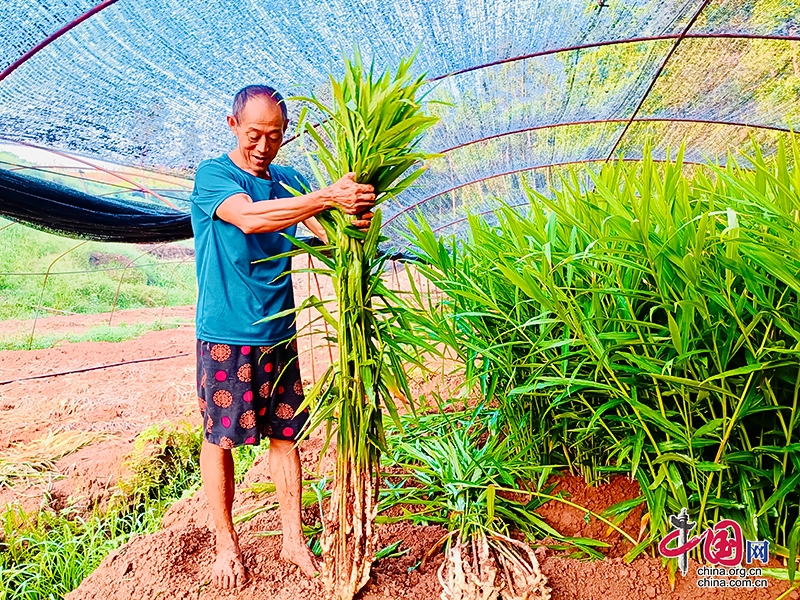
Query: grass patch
x=163, y=464
x=99, y=333
x=48, y=554
x=87, y=278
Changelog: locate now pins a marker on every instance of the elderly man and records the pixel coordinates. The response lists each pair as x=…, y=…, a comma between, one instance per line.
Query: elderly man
x=248, y=378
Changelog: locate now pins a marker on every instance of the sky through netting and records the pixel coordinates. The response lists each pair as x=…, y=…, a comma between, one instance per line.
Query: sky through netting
x=530, y=86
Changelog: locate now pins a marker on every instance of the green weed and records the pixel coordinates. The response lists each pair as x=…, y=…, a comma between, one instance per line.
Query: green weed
x=244, y=457
x=163, y=464
x=47, y=555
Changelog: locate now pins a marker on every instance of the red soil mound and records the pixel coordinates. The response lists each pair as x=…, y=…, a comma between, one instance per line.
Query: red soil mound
x=174, y=563
x=565, y=518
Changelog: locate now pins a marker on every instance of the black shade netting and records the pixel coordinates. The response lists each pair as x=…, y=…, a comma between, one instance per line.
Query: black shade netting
x=66, y=211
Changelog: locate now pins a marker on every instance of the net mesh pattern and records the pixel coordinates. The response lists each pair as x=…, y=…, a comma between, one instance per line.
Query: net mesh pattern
x=527, y=87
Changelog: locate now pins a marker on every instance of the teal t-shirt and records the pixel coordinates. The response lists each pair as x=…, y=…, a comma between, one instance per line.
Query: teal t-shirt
x=234, y=293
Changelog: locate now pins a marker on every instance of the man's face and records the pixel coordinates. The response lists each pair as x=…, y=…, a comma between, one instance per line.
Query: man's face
x=259, y=131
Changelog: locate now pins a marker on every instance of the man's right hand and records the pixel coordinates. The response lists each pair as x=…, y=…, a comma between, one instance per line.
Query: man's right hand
x=353, y=198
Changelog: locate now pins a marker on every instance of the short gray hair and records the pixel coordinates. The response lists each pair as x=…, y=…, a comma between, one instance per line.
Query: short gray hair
x=255, y=91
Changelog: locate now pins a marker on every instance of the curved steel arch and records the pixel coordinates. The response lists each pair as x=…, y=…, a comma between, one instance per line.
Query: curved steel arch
x=53, y=37
x=121, y=188
x=601, y=121
x=480, y=214
x=628, y=123
x=56, y=168
x=636, y=40
x=660, y=70
x=106, y=3
x=657, y=38
x=678, y=38
x=514, y=172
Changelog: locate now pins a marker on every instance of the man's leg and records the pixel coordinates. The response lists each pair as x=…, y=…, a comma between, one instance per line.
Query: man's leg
x=216, y=468
x=284, y=466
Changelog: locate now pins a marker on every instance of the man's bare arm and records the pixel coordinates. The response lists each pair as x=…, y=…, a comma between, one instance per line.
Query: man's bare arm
x=314, y=227
x=261, y=217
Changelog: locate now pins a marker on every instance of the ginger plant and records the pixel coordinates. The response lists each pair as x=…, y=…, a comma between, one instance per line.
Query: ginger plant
x=372, y=130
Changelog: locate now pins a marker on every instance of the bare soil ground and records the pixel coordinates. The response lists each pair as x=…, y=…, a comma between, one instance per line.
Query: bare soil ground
x=77, y=323
x=117, y=403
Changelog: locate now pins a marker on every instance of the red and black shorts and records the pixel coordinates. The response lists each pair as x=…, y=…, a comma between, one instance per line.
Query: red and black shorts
x=249, y=392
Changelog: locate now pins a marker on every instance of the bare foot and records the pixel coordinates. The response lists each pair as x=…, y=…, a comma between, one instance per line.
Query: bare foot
x=299, y=554
x=228, y=571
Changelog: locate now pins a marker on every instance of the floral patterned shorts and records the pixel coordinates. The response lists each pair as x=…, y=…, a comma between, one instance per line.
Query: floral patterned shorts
x=249, y=392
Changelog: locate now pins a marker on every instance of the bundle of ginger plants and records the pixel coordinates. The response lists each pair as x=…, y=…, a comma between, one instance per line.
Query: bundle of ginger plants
x=372, y=130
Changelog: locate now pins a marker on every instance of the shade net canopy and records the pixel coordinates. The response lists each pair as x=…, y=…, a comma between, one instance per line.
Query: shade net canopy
x=527, y=87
